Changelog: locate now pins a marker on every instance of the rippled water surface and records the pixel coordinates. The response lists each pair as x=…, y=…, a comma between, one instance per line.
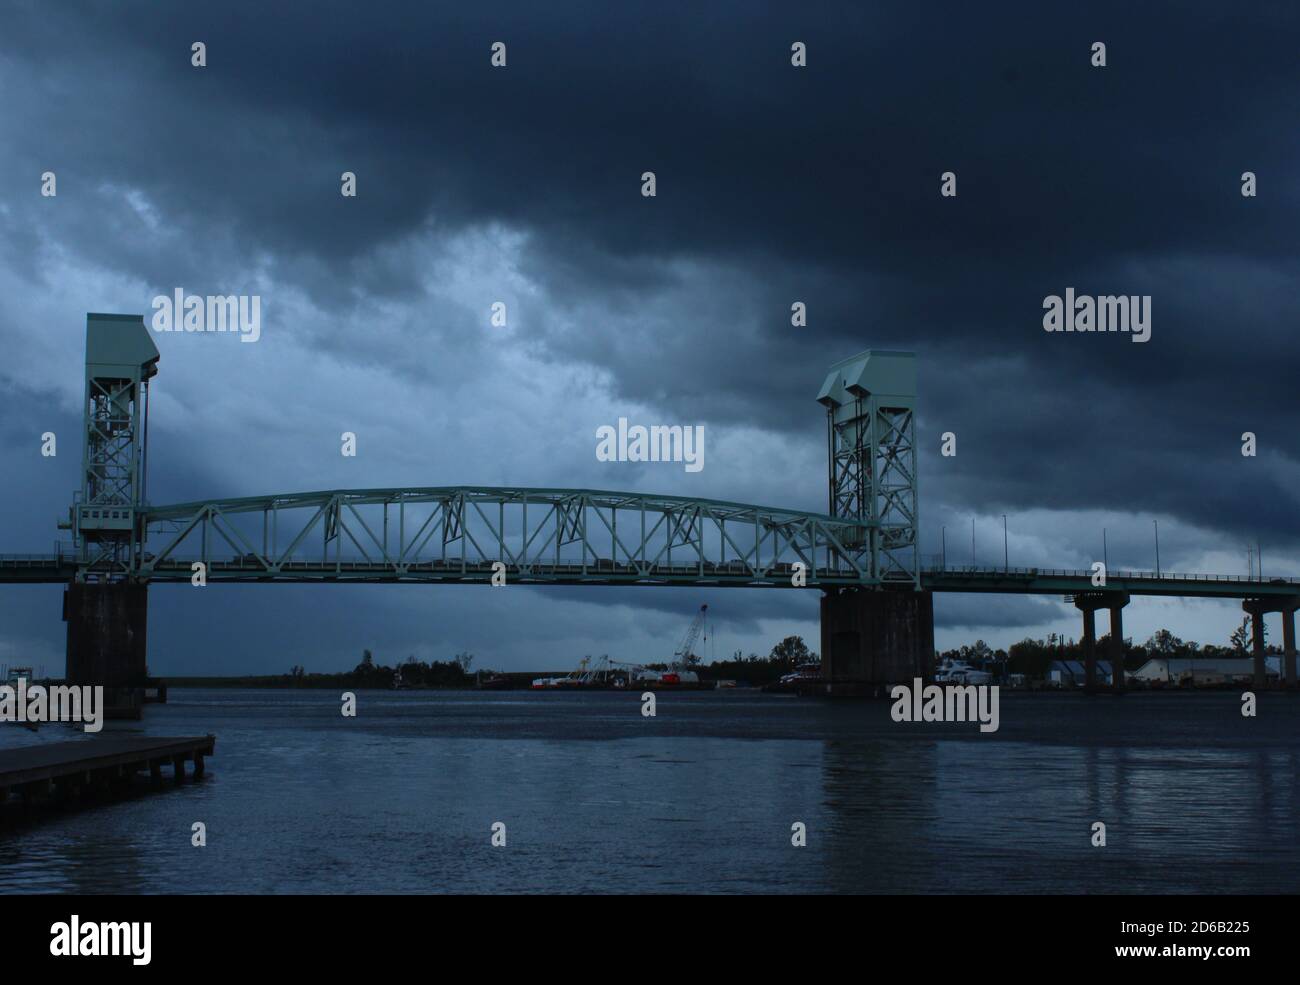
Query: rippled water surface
x=597, y=798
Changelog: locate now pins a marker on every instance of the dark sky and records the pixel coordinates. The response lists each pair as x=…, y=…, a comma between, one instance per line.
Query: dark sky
x=775, y=184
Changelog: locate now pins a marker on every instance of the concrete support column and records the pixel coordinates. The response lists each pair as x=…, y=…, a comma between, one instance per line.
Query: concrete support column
x=870, y=638
x=1288, y=646
x=107, y=626
x=1256, y=608
x=1090, y=649
x=1117, y=645
x=1088, y=603
x=1257, y=639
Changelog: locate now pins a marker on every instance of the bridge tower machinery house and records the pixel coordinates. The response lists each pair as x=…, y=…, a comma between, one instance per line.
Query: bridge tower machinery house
x=105, y=608
x=883, y=631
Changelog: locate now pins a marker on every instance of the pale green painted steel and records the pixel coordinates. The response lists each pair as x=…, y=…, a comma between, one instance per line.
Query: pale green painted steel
x=54, y=569
x=887, y=373
x=119, y=347
x=556, y=536
x=460, y=533
x=105, y=517
x=1067, y=582
x=870, y=402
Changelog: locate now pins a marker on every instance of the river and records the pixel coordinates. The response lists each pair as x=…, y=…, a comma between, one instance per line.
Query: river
x=596, y=797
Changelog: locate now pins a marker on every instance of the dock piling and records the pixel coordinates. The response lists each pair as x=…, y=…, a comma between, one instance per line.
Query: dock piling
x=96, y=767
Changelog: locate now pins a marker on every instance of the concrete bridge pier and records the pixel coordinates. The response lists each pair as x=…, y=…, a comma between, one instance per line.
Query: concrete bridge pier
x=107, y=623
x=1288, y=644
x=1088, y=604
x=1117, y=643
x=873, y=638
x=1089, y=648
x=1256, y=608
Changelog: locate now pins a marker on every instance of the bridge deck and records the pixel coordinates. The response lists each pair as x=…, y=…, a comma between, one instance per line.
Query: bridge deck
x=36, y=568
x=54, y=569
x=1049, y=581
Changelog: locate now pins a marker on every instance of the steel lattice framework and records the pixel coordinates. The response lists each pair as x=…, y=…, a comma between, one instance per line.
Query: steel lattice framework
x=871, y=436
x=473, y=533
x=460, y=534
x=560, y=536
x=106, y=518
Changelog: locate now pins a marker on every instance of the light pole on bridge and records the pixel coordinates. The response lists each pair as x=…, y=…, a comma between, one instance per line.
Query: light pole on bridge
x=1006, y=556
x=1156, y=524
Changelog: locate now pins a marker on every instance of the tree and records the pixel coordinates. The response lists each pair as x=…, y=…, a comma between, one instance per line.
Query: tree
x=1241, y=636
x=463, y=660
x=367, y=665
x=791, y=651
x=1164, y=643
x=1032, y=657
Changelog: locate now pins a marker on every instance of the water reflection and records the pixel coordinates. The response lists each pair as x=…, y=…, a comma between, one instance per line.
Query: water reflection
x=597, y=798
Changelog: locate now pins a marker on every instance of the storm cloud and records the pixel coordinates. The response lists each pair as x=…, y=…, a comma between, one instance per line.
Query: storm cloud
x=775, y=184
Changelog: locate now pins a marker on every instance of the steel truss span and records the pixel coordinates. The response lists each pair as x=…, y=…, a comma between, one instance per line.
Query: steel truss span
x=461, y=533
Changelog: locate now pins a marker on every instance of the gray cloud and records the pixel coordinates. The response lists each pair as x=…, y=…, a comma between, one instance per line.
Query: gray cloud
x=775, y=185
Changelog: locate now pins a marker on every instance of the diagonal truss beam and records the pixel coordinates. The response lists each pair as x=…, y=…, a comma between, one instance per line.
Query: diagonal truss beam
x=540, y=535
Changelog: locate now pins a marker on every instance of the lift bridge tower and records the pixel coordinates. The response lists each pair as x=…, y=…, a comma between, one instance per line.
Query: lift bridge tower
x=106, y=611
x=883, y=633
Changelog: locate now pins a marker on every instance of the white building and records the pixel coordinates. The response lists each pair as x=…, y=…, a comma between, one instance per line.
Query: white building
x=1074, y=673
x=1211, y=671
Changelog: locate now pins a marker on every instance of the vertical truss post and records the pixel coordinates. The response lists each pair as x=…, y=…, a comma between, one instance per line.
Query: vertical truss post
x=870, y=403
x=106, y=518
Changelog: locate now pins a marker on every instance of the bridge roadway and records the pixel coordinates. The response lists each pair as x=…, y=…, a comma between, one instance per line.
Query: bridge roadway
x=60, y=569
x=458, y=534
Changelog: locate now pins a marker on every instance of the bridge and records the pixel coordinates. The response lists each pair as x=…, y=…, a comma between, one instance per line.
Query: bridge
x=862, y=555
x=633, y=569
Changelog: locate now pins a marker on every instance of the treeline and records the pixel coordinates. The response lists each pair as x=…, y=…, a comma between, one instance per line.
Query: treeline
x=1034, y=657
x=786, y=657
x=413, y=673
x=367, y=674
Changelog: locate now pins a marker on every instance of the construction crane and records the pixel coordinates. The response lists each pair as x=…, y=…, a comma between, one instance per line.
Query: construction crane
x=597, y=673
x=678, y=671
x=682, y=658
x=635, y=671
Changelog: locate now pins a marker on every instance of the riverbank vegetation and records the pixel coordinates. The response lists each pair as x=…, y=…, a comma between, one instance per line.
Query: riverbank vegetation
x=1031, y=657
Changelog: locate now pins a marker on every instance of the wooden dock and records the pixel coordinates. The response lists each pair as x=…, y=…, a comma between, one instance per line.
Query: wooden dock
x=101, y=763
